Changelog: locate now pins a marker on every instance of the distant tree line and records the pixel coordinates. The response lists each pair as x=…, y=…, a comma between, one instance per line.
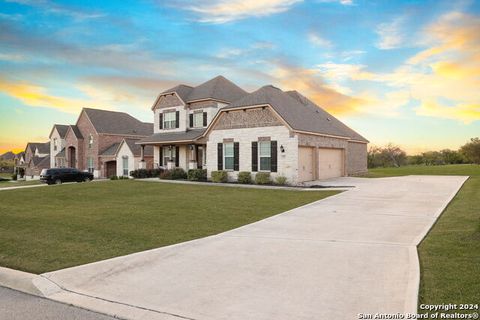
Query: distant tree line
x=393, y=156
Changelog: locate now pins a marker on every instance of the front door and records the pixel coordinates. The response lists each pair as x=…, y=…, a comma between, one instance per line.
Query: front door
x=111, y=168
x=71, y=157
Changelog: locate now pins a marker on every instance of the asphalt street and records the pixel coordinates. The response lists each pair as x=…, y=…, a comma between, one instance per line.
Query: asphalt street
x=16, y=305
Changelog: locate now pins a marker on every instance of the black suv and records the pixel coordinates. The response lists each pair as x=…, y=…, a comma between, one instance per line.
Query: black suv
x=59, y=175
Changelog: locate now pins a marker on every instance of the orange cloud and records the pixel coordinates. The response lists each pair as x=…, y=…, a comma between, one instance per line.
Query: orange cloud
x=461, y=112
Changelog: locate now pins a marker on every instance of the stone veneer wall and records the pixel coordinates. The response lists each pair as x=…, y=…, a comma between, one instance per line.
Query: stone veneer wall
x=287, y=161
x=248, y=118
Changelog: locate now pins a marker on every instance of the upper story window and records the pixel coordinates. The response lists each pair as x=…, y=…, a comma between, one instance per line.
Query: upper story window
x=198, y=120
x=90, y=141
x=55, y=144
x=169, y=120
x=265, y=155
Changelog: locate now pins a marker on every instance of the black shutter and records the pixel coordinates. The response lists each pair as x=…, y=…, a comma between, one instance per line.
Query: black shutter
x=160, y=155
x=177, y=119
x=273, y=156
x=204, y=119
x=220, y=156
x=254, y=156
x=236, y=156
x=191, y=120
x=160, y=121
x=177, y=155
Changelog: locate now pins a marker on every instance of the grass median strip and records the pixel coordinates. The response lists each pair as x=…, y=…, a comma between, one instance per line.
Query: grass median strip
x=46, y=229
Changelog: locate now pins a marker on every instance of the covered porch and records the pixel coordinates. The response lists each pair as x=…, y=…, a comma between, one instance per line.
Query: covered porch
x=184, y=150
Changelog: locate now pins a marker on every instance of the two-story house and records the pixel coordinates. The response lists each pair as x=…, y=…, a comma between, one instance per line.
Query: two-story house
x=57, y=145
x=91, y=143
x=36, y=158
x=181, y=116
x=219, y=126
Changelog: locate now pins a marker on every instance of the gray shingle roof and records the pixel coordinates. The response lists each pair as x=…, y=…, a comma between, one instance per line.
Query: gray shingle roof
x=8, y=156
x=110, y=150
x=62, y=129
x=113, y=122
x=189, y=135
x=43, y=147
x=61, y=154
x=136, y=148
x=299, y=112
x=76, y=132
x=217, y=88
x=41, y=161
x=182, y=90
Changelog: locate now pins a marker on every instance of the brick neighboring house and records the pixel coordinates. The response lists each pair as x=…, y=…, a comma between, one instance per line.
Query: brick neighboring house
x=219, y=126
x=89, y=142
x=36, y=158
x=57, y=145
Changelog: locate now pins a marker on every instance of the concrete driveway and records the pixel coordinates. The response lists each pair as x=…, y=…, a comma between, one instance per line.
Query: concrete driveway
x=333, y=259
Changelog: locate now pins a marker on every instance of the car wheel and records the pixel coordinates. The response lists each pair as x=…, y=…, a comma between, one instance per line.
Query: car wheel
x=58, y=181
x=86, y=179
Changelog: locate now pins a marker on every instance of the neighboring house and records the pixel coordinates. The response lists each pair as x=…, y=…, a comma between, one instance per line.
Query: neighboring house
x=19, y=164
x=57, y=146
x=128, y=156
x=37, y=158
x=89, y=143
x=7, y=156
x=268, y=130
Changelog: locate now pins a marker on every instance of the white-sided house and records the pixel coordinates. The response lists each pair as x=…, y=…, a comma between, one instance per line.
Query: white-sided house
x=57, y=146
x=268, y=130
x=129, y=157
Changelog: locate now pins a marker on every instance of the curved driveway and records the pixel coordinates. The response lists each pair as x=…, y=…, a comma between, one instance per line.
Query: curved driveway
x=333, y=259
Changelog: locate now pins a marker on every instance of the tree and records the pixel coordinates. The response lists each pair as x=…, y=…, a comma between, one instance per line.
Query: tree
x=388, y=156
x=471, y=150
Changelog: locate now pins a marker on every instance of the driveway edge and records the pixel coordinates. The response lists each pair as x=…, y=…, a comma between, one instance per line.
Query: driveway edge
x=20, y=281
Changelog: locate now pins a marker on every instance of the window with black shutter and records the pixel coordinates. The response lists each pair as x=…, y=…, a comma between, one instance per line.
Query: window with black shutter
x=160, y=120
x=220, y=156
x=254, y=156
x=177, y=155
x=191, y=120
x=177, y=119
x=160, y=156
x=204, y=119
x=236, y=156
x=274, y=156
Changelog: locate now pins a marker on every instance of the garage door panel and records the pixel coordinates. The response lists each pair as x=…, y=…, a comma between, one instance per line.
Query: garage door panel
x=330, y=163
x=305, y=164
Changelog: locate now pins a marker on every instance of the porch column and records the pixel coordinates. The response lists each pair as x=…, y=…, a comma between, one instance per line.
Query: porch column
x=142, y=165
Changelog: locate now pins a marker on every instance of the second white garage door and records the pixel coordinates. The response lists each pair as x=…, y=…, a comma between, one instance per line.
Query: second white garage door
x=330, y=163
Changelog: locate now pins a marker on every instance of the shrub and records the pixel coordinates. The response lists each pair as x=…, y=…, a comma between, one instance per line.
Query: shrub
x=174, y=174
x=14, y=177
x=197, y=175
x=122, y=178
x=263, y=178
x=219, y=176
x=244, y=177
x=113, y=178
x=146, y=173
x=281, y=180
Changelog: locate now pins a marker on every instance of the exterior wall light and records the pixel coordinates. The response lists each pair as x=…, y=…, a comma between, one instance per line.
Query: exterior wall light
x=282, y=149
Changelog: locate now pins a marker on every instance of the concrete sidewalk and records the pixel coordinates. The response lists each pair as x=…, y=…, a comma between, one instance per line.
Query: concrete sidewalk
x=351, y=253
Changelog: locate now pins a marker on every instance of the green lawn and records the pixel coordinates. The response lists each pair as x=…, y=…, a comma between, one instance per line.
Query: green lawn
x=8, y=183
x=450, y=254
x=54, y=227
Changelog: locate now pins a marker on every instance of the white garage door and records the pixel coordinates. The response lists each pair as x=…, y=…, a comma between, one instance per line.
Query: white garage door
x=305, y=164
x=330, y=163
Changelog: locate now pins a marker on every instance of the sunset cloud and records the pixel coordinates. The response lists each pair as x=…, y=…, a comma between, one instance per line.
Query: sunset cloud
x=221, y=11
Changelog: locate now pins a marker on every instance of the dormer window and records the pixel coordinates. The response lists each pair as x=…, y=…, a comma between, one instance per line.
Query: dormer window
x=169, y=120
x=90, y=141
x=198, y=119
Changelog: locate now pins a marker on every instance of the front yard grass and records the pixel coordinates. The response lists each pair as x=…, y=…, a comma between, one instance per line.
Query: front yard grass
x=450, y=254
x=9, y=183
x=54, y=227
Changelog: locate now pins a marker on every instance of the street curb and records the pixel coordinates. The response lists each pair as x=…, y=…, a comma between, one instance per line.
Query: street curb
x=20, y=281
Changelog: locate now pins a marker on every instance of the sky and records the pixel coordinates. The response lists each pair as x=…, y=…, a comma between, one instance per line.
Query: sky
x=402, y=72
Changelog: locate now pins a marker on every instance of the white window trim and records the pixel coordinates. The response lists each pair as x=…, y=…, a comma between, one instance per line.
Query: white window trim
x=259, y=157
x=199, y=115
x=224, y=156
x=170, y=122
x=171, y=157
x=124, y=158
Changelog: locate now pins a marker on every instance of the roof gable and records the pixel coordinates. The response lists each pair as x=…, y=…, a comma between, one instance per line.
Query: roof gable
x=61, y=129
